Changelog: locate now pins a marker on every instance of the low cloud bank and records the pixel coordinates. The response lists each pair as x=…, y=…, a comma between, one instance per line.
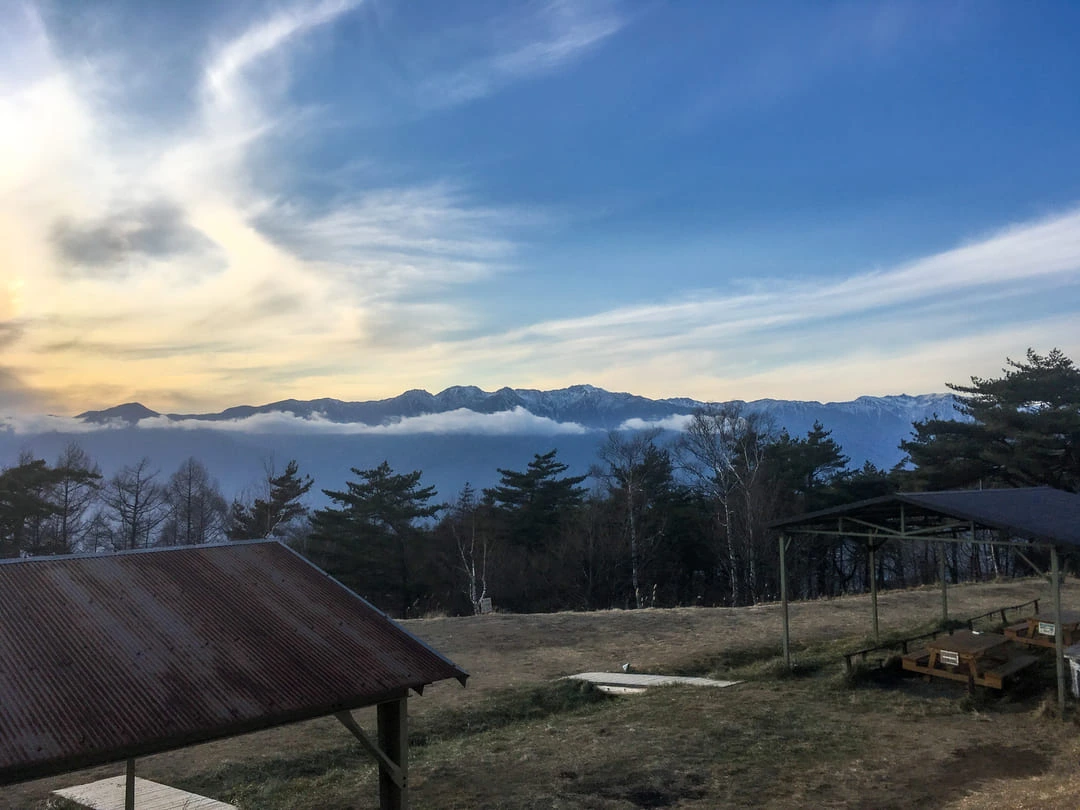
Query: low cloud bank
x=678, y=422
x=33, y=424
x=461, y=421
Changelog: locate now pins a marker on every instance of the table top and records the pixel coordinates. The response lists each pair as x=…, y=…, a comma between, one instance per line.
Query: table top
x=966, y=642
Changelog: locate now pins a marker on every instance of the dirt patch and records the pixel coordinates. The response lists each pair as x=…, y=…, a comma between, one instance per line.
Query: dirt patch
x=946, y=778
x=649, y=789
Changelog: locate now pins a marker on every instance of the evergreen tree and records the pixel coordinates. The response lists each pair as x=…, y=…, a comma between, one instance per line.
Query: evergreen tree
x=367, y=538
x=1024, y=430
x=25, y=505
x=278, y=512
x=536, y=501
x=807, y=468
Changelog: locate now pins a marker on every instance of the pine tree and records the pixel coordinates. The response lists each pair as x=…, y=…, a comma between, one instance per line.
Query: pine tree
x=536, y=501
x=1024, y=430
x=366, y=539
x=276, y=514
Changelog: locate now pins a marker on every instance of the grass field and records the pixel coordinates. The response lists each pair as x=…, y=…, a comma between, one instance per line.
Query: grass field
x=515, y=739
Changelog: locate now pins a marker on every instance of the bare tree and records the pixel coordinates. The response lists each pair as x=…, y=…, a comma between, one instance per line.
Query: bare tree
x=472, y=546
x=134, y=506
x=73, y=495
x=723, y=450
x=197, y=512
x=637, y=472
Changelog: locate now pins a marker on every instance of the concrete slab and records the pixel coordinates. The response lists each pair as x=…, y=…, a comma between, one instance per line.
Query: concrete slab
x=108, y=794
x=630, y=682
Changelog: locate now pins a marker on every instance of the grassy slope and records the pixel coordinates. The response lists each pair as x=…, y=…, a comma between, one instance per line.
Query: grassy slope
x=511, y=740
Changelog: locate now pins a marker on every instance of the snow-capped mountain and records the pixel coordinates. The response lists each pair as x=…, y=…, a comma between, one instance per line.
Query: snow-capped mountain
x=457, y=435
x=585, y=405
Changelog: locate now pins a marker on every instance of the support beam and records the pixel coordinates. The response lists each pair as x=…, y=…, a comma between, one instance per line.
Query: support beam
x=385, y=763
x=943, y=576
x=1059, y=634
x=784, y=600
x=872, y=549
x=394, y=741
x=129, y=786
x=1034, y=567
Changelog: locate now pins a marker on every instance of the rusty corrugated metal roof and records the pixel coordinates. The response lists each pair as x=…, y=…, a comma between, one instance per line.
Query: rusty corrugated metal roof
x=114, y=656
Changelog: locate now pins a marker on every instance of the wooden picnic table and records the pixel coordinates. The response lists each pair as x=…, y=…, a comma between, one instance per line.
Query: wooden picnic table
x=977, y=659
x=1038, y=630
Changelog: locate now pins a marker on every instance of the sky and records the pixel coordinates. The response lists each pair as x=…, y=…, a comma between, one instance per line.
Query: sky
x=208, y=204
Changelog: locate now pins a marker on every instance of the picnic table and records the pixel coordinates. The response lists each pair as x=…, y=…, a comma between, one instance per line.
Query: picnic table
x=977, y=659
x=1038, y=630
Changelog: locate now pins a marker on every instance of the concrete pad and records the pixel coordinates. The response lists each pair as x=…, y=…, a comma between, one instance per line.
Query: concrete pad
x=622, y=683
x=108, y=794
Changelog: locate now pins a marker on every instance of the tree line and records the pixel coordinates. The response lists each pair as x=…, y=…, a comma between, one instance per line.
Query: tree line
x=652, y=523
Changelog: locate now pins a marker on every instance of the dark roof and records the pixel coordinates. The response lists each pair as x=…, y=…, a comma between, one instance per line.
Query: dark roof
x=113, y=656
x=1038, y=514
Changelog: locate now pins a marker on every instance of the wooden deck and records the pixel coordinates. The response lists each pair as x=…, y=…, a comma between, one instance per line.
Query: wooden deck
x=108, y=794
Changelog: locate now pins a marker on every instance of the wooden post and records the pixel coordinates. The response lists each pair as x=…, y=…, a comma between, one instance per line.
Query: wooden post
x=129, y=786
x=1059, y=634
x=942, y=574
x=784, y=600
x=873, y=586
x=394, y=741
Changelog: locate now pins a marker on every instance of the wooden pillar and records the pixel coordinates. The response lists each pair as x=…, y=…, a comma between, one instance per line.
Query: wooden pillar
x=129, y=786
x=394, y=742
x=943, y=576
x=873, y=586
x=1059, y=635
x=784, y=600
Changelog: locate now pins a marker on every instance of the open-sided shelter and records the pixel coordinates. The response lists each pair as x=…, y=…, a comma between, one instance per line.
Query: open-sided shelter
x=1021, y=518
x=106, y=658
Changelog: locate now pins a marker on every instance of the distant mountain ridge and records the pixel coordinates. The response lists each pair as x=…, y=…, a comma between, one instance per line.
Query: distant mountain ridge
x=585, y=405
x=471, y=449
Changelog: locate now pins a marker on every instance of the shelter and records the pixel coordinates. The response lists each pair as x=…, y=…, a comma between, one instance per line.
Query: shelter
x=105, y=658
x=1021, y=518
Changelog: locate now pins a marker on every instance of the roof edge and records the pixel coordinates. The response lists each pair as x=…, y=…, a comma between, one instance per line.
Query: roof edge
x=462, y=675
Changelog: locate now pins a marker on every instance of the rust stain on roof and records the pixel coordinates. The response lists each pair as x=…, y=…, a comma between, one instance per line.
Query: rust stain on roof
x=113, y=656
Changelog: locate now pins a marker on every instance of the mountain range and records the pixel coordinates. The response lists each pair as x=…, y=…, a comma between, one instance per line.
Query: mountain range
x=460, y=434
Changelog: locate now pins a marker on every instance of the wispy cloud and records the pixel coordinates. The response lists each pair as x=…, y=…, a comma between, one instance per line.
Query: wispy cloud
x=127, y=239
x=556, y=34
x=724, y=340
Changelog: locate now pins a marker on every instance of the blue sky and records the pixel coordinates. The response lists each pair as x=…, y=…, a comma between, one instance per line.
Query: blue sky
x=204, y=204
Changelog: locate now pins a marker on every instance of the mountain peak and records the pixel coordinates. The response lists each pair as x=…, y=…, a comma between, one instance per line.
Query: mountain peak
x=130, y=412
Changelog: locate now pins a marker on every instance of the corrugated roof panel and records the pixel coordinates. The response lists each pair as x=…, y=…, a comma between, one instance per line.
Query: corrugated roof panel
x=1037, y=513
x=1040, y=514
x=106, y=657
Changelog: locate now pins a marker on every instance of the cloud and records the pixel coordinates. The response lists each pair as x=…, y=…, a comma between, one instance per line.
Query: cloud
x=10, y=332
x=715, y=343
x=34, y=424
x=128, y=237
x=119, y=242
x=514, y=422
x=516, y=51
x=676, y=422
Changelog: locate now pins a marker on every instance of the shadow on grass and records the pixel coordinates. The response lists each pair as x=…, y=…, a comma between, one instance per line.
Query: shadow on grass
x=501, y=709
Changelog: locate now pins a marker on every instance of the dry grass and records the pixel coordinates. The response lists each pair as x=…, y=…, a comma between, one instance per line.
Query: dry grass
x=511, y=740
